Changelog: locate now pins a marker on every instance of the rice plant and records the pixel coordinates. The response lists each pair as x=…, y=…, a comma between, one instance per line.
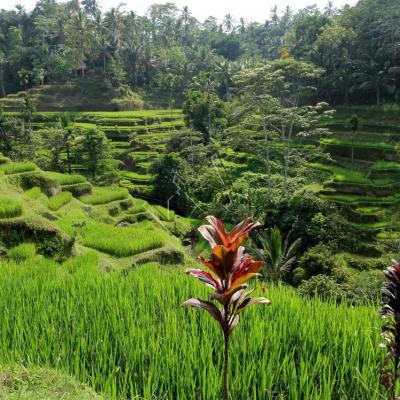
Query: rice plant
x=33, y=193
x=65, y=179
x=23, y=252
x=119, y=241
x=164, y=213
x=59, y=200
x=124, y=336
x=17, y=167
x=105, y=195
x=9, y=208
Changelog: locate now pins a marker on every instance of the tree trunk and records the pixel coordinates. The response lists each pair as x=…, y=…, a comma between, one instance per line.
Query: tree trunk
x=3, y=92
x=268, y=158
x=68, y=159
x=346, y=97
x=209, y=119
x=378, y=96
x=82, y=62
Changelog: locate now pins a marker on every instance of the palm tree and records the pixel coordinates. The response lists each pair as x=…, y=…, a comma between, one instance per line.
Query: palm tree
x=228, y=23
x=329, y=9
x=242, y=26
x=91, y=7
x=375, y=78
x=274, y=15
x=277, y=254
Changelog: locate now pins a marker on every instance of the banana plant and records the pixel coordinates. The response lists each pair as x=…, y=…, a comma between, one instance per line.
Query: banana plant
x=390, y=312
x=227, y=274
x=277, y=254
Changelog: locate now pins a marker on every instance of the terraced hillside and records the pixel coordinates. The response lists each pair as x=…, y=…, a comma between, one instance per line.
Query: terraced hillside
x=76, y=95
x=137, y=136
x=363, y=175
x=60, y=215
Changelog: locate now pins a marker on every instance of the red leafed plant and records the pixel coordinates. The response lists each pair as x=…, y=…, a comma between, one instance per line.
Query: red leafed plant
x=228, y=271
x=390, y=312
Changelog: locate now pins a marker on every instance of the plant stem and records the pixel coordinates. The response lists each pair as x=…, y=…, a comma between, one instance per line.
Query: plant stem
x=226, y=364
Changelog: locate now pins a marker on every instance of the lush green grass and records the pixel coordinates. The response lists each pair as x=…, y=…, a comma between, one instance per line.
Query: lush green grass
x=342, y=174
x=9, y=208
x=358, y=144
x=106, y=195
x=347, y=175
x=164, y=213
x=59, y=200
x=386, y=166
x=139, y=205
x=17, y=167
x=66, y=179
x=118, y=241
x=23, y=252
x=356, y=199
x=134, y=176
x=129, y=336
x=368, y=210
x=33, y=193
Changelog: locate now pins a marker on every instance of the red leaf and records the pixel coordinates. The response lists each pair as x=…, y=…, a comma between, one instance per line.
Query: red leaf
x=204, y=277
x=225, y=297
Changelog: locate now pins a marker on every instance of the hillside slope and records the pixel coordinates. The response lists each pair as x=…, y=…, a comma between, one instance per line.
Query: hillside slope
x=64, y=215
x=76, y=95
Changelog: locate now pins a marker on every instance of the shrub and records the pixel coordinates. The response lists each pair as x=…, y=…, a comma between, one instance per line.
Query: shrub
x=23, y=252
x=49, y=240
x=113, y=211
x=9, y=208
x=126, y=204
x=322, y=286
x=365, y=286
x=4, y=160
x=126, y=99
x=59, y=200
x=315, y=261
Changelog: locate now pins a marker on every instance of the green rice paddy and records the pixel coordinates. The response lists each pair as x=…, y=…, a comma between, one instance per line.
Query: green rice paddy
x=129, y=337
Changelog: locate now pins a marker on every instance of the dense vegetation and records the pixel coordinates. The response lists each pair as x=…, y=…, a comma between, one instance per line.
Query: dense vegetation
x=119, y=133
x=159, y=53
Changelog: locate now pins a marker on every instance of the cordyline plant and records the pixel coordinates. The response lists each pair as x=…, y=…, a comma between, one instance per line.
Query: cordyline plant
x=391, y=330
x=228, y=271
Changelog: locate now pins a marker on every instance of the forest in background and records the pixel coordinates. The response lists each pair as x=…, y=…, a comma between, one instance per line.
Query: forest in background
x=158, y=54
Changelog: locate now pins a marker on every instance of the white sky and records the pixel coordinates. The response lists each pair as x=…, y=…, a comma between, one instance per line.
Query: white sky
x=251, y=10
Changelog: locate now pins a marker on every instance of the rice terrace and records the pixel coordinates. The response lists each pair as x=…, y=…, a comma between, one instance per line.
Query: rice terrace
x=200, y=207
